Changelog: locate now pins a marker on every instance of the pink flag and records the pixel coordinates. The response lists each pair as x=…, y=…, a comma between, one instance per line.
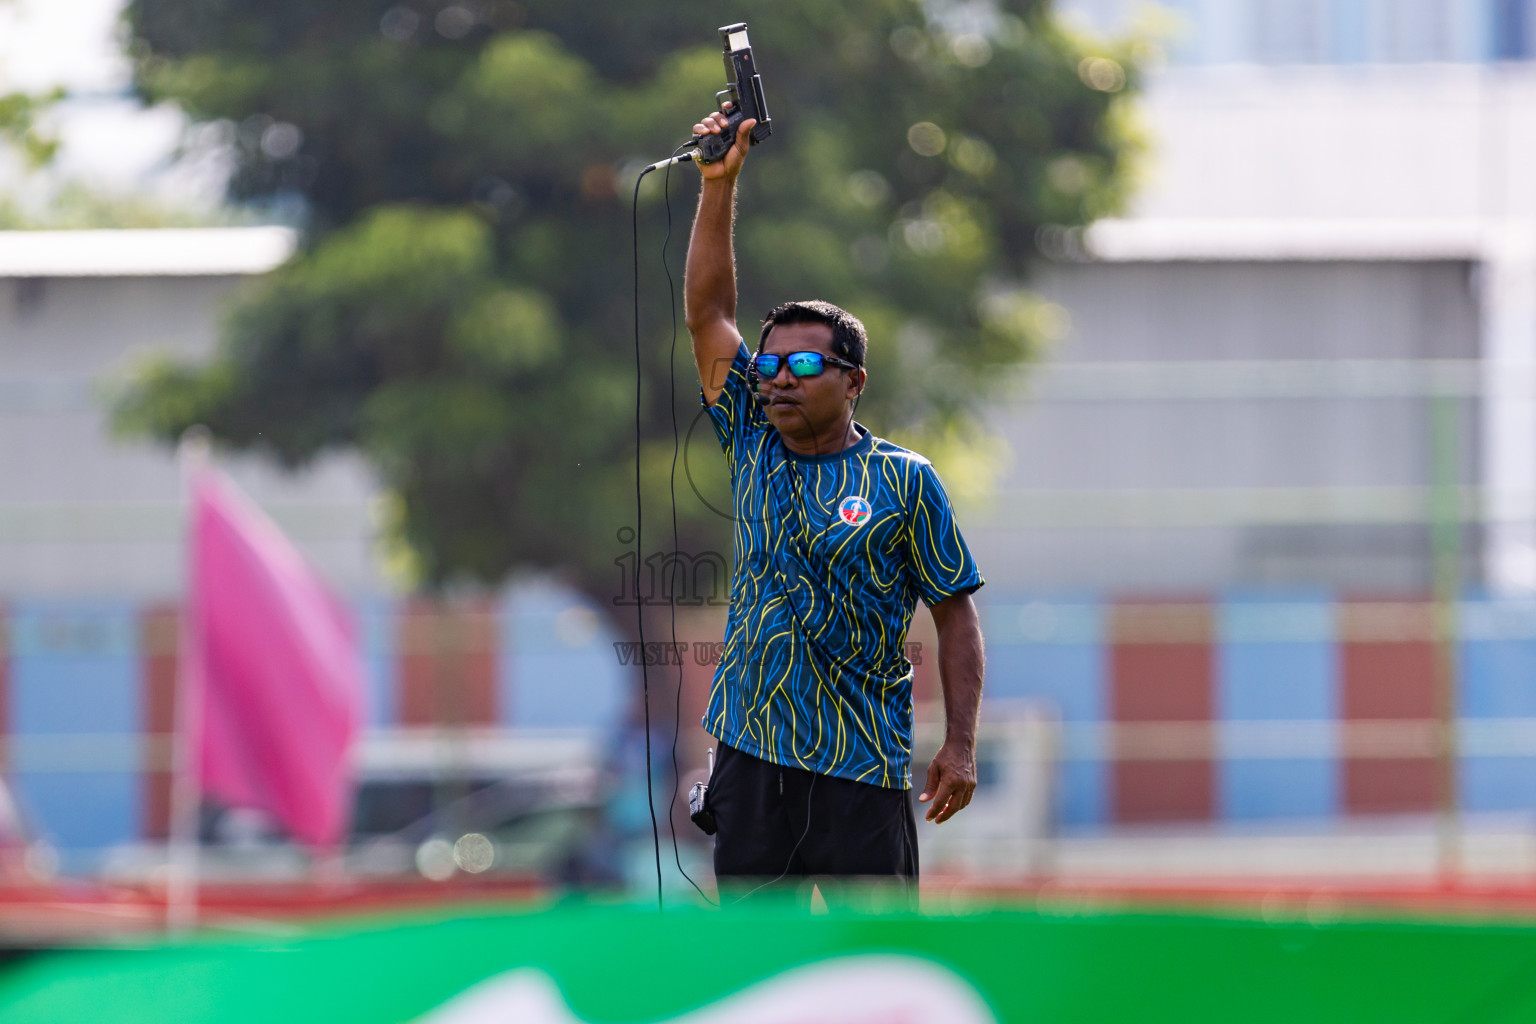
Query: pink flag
x=272, y=659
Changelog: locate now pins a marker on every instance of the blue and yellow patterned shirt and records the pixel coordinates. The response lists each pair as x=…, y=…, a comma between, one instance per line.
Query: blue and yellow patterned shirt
x=832, y=553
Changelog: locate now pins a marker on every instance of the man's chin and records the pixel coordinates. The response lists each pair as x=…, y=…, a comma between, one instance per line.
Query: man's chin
x=785, y=415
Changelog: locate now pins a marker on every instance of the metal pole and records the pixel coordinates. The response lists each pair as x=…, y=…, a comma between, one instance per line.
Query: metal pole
x=1445, y=543
x=186, y=784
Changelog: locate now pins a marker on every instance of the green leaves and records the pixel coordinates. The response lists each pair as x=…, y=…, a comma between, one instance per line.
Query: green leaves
x=521, y=99
x=19, y=114
x=507, y=330
x=398, y=265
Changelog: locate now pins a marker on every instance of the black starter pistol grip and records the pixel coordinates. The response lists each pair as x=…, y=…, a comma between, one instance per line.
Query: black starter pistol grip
x=741, y=99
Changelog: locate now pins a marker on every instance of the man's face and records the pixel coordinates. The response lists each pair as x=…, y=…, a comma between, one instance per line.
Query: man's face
x=806, y=407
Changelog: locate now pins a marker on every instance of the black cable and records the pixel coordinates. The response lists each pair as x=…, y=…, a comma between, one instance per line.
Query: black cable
x=676, y=563
x=908, y=884
x=676, y=560
x=645, y=679
x=677, y=707
x=789, y=863
x=810, y=639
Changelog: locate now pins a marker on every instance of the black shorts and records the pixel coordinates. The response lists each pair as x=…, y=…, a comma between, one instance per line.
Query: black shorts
x=775, y=821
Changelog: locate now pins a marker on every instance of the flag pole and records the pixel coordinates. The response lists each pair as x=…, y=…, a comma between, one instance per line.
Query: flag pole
x=193, y=455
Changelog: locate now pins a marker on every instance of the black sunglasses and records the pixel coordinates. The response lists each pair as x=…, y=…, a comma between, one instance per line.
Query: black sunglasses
x=801, y=364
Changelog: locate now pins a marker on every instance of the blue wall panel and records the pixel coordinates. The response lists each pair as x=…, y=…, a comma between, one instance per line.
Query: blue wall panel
x=75, y=708
x=557, y=667
x=1349, y=31
x=81, y=813
x=1277, y=701
x=1497, y=659
x=1510, y=30
x=1254, y=789
x=1497, y=783
x=1052, y=654
x=376, y=621
x=1496, y=681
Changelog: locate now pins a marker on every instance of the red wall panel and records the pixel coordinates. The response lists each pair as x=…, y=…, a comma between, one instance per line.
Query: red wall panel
x=1388, y=659
x=447, y=664
x=1161, y=700
x=159, y=630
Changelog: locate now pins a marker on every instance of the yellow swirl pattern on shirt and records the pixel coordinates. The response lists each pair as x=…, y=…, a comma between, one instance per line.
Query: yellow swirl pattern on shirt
x=814, y=672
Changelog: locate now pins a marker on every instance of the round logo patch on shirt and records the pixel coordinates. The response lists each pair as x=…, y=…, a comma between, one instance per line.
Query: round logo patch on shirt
x=854, y=510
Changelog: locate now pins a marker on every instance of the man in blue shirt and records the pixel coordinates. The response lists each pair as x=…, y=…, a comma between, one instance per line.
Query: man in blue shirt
x=838, y=534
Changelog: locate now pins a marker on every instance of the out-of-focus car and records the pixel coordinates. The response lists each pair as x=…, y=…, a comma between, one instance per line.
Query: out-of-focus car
x=430, y=804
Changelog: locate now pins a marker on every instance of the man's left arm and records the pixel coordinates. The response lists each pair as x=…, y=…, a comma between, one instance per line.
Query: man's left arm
x=952, y=773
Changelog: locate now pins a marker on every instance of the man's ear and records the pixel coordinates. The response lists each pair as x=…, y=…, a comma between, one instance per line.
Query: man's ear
x=861, y=378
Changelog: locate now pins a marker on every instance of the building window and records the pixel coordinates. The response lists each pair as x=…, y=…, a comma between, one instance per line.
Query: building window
x=1511, y=30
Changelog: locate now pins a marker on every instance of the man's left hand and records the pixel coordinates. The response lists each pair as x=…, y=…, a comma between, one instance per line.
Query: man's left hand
x=951, y=781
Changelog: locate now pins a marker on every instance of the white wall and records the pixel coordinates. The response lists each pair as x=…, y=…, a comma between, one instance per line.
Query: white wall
x=84, y=514
x=1418, y=142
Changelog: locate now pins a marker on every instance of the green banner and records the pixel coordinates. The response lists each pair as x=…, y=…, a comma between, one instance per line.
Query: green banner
x=594, y=965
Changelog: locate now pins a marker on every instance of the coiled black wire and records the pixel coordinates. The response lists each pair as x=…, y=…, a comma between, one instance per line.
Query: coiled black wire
x=639, y=503
x=676, y=563
x=645, y=677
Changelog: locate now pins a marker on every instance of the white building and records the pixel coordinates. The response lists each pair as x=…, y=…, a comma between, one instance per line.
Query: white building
x=1321, y=255
x=83, y=514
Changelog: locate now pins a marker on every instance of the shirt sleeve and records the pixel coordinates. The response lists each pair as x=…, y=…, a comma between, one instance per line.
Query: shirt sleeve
x=735, y=413
x=939, y=562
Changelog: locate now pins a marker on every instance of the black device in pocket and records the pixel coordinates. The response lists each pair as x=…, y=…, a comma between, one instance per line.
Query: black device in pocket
x=698, y=812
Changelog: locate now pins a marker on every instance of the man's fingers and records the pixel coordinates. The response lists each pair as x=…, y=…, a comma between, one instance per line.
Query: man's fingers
x=941, y=799
x=950, y=790
x=931, y=785
x=959, y=800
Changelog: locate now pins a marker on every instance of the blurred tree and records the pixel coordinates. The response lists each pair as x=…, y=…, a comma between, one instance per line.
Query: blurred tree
x=19, y=115
x=72, y=205
x=461, y=309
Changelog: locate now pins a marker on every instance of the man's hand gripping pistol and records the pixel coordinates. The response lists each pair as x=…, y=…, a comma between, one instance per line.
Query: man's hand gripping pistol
x=741, y=99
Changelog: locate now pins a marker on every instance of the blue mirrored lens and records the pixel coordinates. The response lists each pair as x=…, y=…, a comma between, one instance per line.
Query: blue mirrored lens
x=801, y=364
x=805, y=364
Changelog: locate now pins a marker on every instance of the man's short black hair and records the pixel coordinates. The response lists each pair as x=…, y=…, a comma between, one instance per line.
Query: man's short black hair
x=848, y=337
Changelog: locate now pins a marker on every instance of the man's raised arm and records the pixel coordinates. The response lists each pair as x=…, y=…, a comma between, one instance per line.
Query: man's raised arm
x=709, y=281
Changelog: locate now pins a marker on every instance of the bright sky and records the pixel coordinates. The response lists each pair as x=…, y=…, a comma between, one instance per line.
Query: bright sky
x=73, y=43
x=109, y=140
